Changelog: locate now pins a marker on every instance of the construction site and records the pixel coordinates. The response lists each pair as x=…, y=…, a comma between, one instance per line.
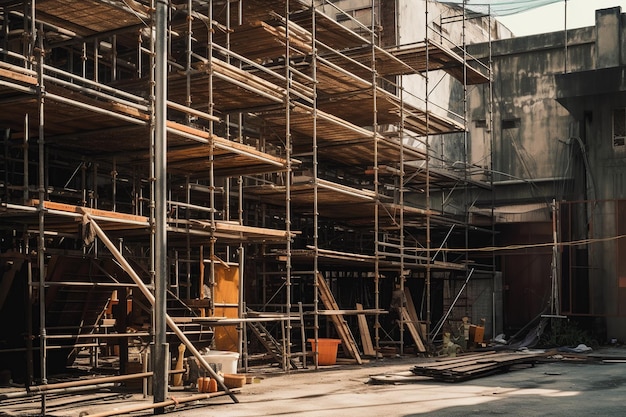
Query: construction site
x=192, y=188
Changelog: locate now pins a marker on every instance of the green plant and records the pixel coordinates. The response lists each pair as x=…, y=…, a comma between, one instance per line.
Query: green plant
x=563, y=332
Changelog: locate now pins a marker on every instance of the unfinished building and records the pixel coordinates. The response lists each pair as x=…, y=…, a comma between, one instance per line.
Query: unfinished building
x=558, y=117
x=255, y=174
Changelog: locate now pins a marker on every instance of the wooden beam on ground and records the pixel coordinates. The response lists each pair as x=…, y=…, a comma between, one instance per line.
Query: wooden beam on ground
x=476, y=365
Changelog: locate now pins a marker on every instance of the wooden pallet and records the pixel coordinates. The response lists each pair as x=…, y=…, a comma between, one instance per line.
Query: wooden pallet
x=475, y=365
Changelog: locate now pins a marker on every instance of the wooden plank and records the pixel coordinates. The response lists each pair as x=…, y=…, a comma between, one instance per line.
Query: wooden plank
x=413, y=330
x=468, y=360
x=410, y=306
x=112, y=215
x=366, y=338
x=349, y=344
x=461, y=358
x=27, y=79
x=476, y=365
x=357, y=312
x=227, y=145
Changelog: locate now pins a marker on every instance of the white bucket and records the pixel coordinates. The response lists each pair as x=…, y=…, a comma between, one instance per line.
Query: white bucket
x=227, y=359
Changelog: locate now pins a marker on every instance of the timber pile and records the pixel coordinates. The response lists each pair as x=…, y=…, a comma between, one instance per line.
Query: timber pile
x=475, y=365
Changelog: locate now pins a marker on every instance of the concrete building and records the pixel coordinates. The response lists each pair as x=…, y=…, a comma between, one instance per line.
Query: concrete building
x=557, y=101
x=258, y=175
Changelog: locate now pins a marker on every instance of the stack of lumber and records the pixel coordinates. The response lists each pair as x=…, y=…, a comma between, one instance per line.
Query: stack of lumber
x=475, y=365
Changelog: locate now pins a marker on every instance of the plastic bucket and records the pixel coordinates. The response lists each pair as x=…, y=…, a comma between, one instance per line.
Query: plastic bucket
x=326, y=349
x=228, y=360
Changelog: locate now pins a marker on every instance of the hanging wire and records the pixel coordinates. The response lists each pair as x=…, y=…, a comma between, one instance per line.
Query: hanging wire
x=501, y=7
x=580, y=242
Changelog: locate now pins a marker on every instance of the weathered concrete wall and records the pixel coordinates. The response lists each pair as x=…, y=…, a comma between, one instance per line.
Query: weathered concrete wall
x=609, y=40
x=559, y=106
x=592, y=96
x=529, y=125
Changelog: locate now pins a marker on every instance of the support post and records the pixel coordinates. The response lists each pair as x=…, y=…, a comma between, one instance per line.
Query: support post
x=160, y=227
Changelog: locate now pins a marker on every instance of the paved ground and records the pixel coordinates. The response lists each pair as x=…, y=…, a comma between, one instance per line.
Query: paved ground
x=548, y=389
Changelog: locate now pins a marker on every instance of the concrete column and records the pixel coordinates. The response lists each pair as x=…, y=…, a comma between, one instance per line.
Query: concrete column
x=608, y=41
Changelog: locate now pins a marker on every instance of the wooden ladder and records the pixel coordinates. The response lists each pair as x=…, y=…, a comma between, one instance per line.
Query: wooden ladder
x=347, y=339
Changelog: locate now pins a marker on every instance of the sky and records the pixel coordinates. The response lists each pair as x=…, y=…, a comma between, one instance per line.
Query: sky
x=551, y=18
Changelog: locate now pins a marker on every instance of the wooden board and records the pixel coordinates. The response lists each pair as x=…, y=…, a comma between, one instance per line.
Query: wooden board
x=226, y=301
x=347, y=339
x=475, y=365
x=366, y=338
x=413, y=330
x=113, y=215
x=410, y=306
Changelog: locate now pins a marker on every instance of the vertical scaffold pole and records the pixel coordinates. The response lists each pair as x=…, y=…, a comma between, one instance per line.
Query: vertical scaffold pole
x=161, y=359
x=41, y=242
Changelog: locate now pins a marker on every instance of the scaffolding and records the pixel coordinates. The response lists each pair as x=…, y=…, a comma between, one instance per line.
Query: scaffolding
x=228, y=168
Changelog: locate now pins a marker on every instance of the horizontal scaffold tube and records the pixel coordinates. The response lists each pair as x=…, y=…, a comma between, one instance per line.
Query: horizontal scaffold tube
x=23, y=394
x=86, y=382
x=171, y=401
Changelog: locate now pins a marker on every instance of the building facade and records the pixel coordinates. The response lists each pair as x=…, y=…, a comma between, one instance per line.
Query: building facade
x=556, y=114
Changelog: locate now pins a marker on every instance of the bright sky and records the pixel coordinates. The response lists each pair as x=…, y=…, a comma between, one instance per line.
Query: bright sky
x=551, y=18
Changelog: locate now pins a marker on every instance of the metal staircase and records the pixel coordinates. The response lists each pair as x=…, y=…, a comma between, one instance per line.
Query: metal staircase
x=275, y=348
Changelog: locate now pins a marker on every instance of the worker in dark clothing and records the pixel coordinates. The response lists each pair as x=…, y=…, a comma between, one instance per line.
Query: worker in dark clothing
x=397, y=302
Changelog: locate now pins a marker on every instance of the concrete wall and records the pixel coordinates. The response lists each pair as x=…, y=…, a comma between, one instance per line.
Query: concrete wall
x=552, y=109
x=529, y=125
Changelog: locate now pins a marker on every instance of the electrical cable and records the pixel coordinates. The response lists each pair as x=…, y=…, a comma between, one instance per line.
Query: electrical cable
x=535, y=245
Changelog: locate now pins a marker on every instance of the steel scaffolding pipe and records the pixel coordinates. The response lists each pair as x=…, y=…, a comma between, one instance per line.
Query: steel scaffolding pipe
x=25, y=394
x=40, y=389
x=176, y=401
x=94, y=383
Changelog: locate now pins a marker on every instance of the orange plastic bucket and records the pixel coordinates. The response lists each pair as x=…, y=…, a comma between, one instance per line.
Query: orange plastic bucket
x=327, y=350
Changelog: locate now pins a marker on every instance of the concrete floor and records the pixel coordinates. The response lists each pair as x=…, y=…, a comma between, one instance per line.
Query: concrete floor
x=548, y=389
x=559, y=388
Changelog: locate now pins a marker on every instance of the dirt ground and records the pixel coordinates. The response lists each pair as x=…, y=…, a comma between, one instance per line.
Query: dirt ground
x=554, y=388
